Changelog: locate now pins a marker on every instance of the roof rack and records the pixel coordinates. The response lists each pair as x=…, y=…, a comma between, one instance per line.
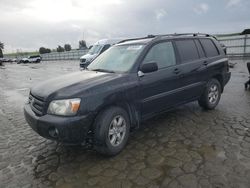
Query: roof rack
x=131, y=39
x=186, y=34
x=170, y=35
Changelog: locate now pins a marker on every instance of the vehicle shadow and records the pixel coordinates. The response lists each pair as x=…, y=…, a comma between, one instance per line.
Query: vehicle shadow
x=58, y=162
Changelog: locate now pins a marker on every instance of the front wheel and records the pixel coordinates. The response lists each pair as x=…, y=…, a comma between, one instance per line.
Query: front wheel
x=211, y=96
x=111, y=131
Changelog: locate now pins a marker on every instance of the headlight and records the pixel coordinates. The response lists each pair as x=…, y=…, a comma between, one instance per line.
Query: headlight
x=67, y=107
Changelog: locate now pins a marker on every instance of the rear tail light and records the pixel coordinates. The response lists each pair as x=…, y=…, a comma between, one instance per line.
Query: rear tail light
x=227, y=66
x=224, y=48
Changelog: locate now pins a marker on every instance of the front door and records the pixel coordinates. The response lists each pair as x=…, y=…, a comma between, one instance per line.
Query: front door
x=159, y=90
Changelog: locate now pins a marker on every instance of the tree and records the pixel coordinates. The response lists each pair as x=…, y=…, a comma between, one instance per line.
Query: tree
x=82, y=45
x=1, y=49
x=60, y=49
x=245, y=32
x=43, y=50
x=67, y=47
x=48, y=50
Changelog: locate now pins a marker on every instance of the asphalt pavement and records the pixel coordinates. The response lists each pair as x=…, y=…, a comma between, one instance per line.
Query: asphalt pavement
x=186, y=147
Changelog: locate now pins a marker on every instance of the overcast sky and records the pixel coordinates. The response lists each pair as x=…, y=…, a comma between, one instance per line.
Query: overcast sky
x=30, y=24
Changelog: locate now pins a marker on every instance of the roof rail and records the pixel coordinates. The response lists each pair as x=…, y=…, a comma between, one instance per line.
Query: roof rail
x=186, y=34
x=141, y=38
x=169, y=35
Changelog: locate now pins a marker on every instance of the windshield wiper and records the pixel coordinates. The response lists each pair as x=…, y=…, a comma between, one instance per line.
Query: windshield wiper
x=103, y=70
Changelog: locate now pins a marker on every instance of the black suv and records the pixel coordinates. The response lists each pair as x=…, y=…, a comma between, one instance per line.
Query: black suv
x=131, y=82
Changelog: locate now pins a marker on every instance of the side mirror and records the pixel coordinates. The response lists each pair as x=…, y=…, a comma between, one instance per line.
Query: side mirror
x=149, y=67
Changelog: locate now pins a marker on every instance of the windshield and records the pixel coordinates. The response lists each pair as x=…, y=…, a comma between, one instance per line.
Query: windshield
x=117, y=59
x=95, y=49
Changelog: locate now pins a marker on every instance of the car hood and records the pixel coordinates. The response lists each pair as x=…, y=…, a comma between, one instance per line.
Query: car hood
x=24, y=59
x=72, y=85
x=88, y=56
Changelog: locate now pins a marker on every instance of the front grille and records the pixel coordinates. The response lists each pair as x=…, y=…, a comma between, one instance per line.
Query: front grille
x=83, y=60
x=36, y=104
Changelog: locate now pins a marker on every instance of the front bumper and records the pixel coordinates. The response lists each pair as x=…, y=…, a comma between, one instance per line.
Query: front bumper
x=71, y=130
x=84, y=65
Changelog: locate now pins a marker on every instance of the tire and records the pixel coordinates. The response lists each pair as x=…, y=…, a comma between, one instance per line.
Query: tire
x=211, y=96
x=38, y=61
x=109, y=137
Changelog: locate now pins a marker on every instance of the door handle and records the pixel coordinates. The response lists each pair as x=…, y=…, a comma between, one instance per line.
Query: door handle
x=205, y=63
x=177, y=71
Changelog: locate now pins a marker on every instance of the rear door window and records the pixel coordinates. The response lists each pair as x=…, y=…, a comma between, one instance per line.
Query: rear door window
x=163, y=54
x=199, y=47
x=209, y=47
x=187, y=50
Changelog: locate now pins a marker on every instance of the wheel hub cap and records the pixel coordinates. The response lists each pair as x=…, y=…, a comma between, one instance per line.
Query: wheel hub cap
x=117, y=130
x=213, y=94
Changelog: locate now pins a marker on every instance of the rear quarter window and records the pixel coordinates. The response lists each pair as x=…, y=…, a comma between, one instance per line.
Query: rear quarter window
x=209, y=47
x=187, y=50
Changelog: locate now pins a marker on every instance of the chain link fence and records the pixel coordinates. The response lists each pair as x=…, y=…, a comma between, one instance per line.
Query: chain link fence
x=69, y=55
x=237, y=46
x=53, y=56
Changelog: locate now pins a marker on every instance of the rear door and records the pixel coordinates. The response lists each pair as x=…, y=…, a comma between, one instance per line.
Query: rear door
x=215, y=62
x=159, y=90
x=193, y=67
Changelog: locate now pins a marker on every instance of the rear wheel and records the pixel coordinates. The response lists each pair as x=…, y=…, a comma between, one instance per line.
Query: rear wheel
x=211, y=96
x=111, y=131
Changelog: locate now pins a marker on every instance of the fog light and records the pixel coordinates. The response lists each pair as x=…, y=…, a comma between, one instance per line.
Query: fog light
x=53, y=132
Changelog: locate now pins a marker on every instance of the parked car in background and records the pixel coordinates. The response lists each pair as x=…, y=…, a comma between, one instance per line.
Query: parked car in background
x=98, y=48
x=5, y=60
x=15, y=60
x=31, y=59
x=1, y=61
x=131, y=82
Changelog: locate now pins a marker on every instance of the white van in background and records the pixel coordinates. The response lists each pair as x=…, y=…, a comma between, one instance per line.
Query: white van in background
x=98, y=48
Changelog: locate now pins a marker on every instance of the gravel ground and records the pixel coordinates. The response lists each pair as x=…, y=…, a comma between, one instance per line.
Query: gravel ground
x=187, y=147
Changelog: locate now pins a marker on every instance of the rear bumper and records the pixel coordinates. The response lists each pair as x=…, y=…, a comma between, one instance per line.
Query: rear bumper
x=226, y=78
x=82, y=65
x=71, y=130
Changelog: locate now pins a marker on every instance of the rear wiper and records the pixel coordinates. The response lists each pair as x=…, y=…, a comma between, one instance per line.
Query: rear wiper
x=103, y=70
